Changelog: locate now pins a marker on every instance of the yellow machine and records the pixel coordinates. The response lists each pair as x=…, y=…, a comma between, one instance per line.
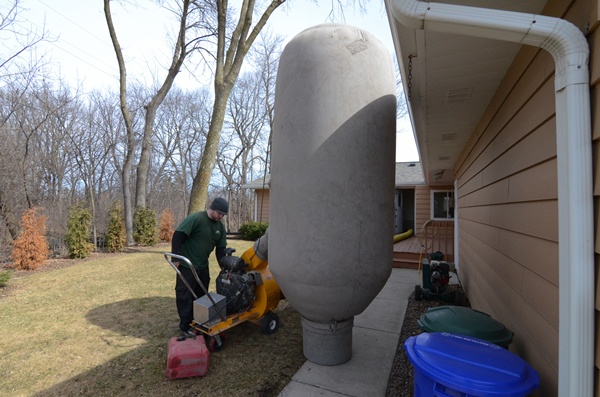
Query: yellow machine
x=246, y=290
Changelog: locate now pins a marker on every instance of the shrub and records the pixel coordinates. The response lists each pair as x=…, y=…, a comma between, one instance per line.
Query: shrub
x=145, y=231
x=4, y=278
x=30, y=249
x=253, y=230
x=78, y=233
x=166, y=225
x=116, y=236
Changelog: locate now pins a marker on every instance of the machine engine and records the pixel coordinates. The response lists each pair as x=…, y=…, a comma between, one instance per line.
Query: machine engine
x=440, y=274
x=236, y=284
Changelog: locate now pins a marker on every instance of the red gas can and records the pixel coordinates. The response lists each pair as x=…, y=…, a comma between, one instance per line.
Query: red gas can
x=187, y=358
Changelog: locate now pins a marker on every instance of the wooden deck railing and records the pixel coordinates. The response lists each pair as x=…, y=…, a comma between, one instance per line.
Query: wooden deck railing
x=437, y=235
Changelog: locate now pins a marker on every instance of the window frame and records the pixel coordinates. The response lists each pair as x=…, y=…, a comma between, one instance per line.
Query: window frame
x=448, y=193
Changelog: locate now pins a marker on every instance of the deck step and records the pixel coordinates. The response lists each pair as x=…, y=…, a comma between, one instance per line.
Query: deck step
x=406, y=260
x=405, y=265
x=407, y=253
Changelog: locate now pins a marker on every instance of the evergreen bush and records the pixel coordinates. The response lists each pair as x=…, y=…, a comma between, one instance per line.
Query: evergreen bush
x=145, y=230
x=116, y=236
x=30, y=249
x=167, y=219
x=78, y=233
x=4, y=278
x=253, y=230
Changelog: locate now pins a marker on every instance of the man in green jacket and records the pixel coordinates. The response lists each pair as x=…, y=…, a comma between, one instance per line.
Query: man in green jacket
x=195, y=238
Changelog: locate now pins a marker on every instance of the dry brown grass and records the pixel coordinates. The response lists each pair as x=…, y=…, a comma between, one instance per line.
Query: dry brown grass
x=100, y=326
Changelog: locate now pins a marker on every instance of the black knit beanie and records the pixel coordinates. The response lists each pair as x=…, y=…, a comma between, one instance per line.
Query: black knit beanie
x=220, y=205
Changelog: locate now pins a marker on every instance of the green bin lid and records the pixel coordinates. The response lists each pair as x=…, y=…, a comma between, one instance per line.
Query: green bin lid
x=465, y=321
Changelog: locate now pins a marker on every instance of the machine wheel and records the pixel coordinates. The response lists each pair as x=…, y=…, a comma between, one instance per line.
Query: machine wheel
x=269, y=323
x=418, y=293
x=215, y=343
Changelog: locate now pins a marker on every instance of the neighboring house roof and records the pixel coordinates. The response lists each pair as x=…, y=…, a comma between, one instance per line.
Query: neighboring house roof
x=260, y=183
x=407, y=174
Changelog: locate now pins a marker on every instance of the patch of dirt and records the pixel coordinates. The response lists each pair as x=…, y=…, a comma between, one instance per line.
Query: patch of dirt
x=401, y=383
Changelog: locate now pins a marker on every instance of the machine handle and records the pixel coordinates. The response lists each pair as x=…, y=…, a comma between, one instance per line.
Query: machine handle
x=169, y=256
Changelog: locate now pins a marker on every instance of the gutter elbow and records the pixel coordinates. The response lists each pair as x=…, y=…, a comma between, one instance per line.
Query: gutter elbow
x=410, y=13
x=571, y=53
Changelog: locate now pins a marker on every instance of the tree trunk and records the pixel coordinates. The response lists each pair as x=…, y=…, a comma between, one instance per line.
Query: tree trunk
x=199, y=194
x=179, y=54
x=127, y=209
x=9, y=219
x=229, y=63
x=128, y=165
x=143, y=167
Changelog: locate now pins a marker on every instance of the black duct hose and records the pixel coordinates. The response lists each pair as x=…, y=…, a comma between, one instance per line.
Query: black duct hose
x=232, y=263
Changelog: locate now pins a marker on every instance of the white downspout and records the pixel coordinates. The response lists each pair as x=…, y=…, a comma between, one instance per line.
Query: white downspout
x=570, y=51
x=456, y=232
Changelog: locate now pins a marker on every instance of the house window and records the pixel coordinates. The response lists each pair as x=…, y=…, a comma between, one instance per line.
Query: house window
x=442, y=204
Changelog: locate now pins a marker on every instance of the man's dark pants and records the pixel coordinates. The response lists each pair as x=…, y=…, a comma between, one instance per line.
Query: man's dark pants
x=185, y=299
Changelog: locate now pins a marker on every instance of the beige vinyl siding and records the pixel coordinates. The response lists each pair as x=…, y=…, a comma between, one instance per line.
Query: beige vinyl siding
x=507, y=199
x=262, y=205
x=508, y=249
x=508, y=223
x=423, y=203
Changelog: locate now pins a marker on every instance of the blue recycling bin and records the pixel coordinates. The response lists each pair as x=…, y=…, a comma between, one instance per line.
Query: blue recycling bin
x=452, y=365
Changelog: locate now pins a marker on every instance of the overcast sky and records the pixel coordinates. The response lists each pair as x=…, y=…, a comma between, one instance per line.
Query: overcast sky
x=83, y=54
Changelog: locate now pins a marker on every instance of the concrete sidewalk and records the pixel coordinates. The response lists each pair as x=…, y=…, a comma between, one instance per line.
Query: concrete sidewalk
x=374, y=343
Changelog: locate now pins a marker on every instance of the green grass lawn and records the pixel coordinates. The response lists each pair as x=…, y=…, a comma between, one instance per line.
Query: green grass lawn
x=100, y=327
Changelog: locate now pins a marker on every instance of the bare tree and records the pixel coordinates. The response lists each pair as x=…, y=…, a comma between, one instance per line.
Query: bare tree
x=401, y=106
x=248, y=120
x=106, y=126
x=180, y=134
x=90, y=155
x=17, y=38
x=181, y=48
x=232, y=49
x=100, y=142
x=247, y=127
x=9, y=169
x=33, y=149
x=15, y=110
x=59, y=148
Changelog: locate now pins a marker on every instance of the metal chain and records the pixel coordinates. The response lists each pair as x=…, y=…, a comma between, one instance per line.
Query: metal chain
x=410, y=57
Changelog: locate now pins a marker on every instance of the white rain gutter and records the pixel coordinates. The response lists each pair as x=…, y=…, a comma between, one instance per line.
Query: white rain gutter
x=570, y=51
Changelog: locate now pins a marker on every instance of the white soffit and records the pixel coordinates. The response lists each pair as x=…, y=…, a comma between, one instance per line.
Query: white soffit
x=452, y=80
